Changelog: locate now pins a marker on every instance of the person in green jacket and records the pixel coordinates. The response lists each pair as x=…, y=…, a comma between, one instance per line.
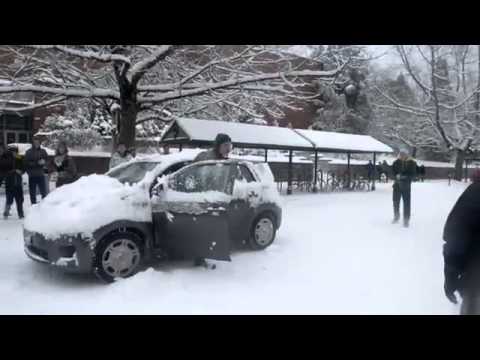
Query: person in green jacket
x=404, y=172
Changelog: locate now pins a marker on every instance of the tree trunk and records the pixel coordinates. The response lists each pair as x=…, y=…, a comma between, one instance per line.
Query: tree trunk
x=128, y=117
x=459, y=161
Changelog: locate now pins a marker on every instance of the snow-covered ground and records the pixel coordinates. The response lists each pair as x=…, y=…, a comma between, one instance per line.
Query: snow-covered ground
x=335, y=254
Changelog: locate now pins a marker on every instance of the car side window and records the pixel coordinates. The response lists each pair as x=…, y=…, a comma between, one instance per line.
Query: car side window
x=175, y=167
x=246, y=173
x=201, y=178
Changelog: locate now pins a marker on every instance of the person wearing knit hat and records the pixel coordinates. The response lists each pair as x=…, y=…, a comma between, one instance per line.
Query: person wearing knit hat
x=222, y=146
x=461, y=251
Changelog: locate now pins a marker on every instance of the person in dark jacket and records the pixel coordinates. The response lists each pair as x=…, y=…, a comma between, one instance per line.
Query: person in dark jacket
x=386, y=170
x=404, y=171
x=422, y=173
x=370, y=169
x=63, y=166
x=36, y=162
x=461, y=251
x=12, y=162
x=3, y=173
x=222, y=147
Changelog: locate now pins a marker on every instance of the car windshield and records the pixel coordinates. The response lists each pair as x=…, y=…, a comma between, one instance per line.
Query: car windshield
x=132, y=173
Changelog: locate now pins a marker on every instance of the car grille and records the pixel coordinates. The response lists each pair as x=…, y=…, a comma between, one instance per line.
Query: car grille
x=39, y=252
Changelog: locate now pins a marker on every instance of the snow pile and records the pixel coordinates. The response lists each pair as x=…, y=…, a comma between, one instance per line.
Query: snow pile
x=334, y=254
x=86, y=205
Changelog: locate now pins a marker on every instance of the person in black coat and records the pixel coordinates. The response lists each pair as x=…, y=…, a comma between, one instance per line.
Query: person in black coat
x=36, y=162
x=422, y=173
x=3, y=172
x=404, y=172
x=370, y=170
x=12, y=162
x=461, y=251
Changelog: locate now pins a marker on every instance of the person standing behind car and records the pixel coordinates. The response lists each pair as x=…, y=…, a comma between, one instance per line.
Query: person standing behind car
x=120, y=156
x=461, y=251
x=222, y=146
x=404, y=170
x=63, y=166
x=35, y=163
x=13, y=163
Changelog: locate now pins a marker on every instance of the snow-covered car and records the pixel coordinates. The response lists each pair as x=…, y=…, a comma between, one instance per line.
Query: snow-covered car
x=162, y=208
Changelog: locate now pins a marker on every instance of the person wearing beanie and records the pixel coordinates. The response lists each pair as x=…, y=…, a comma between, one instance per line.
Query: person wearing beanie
x=404, y=171
x=36, y=159
x=220, y=151
x=222, y=146
x=461, y=250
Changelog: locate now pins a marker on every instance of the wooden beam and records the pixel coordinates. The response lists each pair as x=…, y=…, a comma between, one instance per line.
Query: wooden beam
x=349, y=170
x=289, y=187
x=374, y=170
x=315, y=175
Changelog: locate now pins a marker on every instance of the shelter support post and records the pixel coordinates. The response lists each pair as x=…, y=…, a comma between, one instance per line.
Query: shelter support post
x=180, y=147
x=289, y=187
x=466, y=170
x=349, y=170
x=374, y=170
x=315, y=174
x=266, y=155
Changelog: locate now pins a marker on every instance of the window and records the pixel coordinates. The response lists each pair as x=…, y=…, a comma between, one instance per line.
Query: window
x=23, y=138
x=246, y=174
x=175, y=167
x=132, y=173
x=201, y=178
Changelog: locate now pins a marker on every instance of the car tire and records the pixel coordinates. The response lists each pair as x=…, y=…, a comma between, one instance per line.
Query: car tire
x=263, y=232
x=118, y=256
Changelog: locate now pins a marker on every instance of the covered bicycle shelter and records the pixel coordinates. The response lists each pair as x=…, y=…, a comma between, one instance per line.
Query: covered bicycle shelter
x=196, y=132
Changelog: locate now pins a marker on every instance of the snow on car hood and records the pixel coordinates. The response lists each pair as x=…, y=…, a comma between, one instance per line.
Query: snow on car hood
x=88, y=204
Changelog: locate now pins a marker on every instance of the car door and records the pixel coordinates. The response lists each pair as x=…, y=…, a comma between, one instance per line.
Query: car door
x=242, y=207
x=190, y=213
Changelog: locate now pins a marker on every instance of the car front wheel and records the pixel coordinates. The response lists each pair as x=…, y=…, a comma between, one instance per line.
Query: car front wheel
x=263, y=232
x=118, y=256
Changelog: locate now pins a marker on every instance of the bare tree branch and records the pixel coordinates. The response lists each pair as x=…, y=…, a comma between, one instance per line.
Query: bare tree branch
x=91, y=55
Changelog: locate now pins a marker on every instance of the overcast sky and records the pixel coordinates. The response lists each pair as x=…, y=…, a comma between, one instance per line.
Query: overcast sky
x=388, y=57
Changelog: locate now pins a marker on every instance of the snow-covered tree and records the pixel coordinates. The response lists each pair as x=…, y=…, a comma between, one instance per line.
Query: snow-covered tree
x=74, y=127
x=345, y=106
x=447, y=80
x=141, y=83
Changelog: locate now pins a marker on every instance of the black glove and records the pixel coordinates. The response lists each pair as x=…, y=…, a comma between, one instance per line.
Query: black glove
x=452, y=283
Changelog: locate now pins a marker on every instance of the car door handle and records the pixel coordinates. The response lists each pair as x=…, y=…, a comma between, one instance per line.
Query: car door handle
x=215, y=208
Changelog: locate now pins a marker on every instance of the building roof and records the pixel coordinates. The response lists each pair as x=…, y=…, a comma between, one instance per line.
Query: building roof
x=339, y=142
x=203, y=132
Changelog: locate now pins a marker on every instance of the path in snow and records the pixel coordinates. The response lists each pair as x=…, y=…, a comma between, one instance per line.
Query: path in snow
x=335, y=254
